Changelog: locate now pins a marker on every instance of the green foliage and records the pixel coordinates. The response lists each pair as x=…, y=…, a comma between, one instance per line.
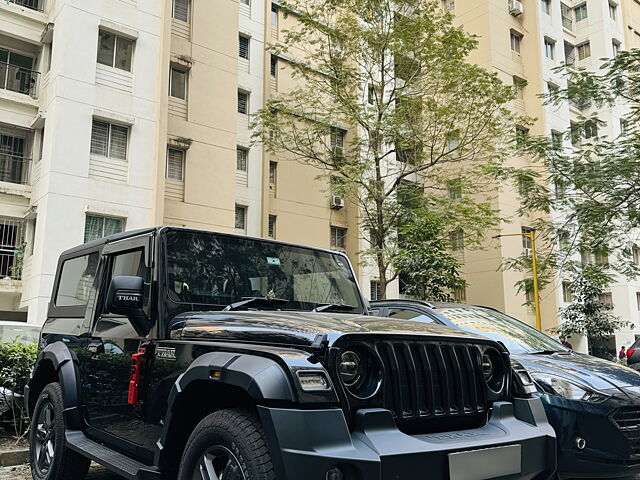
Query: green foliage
x=591, y=187
x=16, y=362
x=393, y=75
x=423, y=260
x=588, y=315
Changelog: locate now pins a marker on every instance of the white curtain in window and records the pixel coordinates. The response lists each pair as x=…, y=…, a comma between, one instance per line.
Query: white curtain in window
x=93, y=228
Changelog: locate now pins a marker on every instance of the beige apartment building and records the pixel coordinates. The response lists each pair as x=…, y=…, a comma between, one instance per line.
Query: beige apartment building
x=148, y=123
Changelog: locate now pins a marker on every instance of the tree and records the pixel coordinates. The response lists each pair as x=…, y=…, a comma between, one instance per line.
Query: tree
x=588, y=314
x=423, y=261
x=591, y=191
x=385, y=99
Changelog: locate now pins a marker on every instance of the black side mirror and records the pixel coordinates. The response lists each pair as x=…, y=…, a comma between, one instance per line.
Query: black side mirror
x=125, y=297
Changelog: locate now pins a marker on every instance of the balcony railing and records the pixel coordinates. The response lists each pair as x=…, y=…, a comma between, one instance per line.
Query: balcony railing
x=14, y=169
x=37, y=5
x=18, y=79
x=11, y=248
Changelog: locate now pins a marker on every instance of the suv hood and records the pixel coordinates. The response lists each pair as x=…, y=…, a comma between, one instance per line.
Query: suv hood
x=298, y=328
x=594, y=372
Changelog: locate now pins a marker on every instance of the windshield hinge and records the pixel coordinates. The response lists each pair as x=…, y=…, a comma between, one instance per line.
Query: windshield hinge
x=320, y=342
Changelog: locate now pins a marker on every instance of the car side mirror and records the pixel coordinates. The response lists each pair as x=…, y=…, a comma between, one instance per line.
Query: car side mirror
x=125, y=297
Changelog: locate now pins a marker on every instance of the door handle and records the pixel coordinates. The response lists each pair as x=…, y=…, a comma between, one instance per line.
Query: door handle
x=96, y=347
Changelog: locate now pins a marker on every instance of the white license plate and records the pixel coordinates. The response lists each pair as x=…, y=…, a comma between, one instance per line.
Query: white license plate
x=485, y=463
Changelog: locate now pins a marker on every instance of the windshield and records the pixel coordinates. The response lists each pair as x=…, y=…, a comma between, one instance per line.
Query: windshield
x=517, y=336
x=216, y=270
x=26, y=334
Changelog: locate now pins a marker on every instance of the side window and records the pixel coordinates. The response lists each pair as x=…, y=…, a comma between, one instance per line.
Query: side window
x=405, y=314
x=76, y=280
x=132, y=264
x=375, y=312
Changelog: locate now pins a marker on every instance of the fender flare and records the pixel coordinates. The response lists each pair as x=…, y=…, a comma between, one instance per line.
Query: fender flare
x=263, y=379
x=65, y=365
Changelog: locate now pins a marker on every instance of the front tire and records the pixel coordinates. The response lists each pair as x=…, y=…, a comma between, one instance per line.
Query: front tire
x=228, y=444
x=49, y=457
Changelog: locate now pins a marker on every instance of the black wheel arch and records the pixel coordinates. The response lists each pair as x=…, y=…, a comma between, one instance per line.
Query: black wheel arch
x=56, y=363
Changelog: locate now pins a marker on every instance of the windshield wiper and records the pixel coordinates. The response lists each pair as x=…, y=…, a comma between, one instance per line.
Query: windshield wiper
x=255, y=302
x=548, y=352
x=322, y=307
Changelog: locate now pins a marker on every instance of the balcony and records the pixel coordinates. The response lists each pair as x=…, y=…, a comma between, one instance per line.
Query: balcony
x=11, y=248
x=14, y=169
x=37, y=5
x=19, y=79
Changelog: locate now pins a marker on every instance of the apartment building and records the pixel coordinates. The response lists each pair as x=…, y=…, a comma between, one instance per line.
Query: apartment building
x=121, y=114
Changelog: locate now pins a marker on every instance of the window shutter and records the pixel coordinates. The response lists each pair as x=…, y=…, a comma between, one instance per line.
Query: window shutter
x=181, y=10
x=242, y=159
x=243, y=101
x=99, y=138
x=175, y=164
x=274, y=66
x=244, y=47
x=272, y=226
x=241, y=213
x=118, y=146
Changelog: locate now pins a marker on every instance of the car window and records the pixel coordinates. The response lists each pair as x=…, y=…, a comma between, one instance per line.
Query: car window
x=517, y=336
x=375, y=312
x=132, y=264
x=408, y=314
x=76, y=280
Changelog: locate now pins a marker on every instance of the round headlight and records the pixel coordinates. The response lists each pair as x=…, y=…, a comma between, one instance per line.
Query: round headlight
x=360, y=371
x=493, y=370
x=350, y=368
x=487, y=367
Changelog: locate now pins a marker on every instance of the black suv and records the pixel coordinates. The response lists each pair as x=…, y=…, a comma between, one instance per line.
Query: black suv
x=173, y=353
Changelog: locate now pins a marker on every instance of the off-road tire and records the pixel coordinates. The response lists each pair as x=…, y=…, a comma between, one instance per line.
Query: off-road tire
x=65, y=463
x=238, y=431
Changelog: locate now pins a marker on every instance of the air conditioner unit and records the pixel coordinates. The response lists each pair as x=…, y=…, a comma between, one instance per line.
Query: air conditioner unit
x=515, y=8
x=337, y=202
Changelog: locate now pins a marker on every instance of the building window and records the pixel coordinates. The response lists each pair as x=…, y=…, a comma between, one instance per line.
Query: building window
x=456, y=240
x=98, y=226
x=557, y=139
x=606, y=298
x=580, y=12
x=243, y=103
x=376, y=293
x=590, y=129
x=245, y=2
x=549, y=48
x=455, y=189
x=565, y=12
x=338, y=237
x=11, y=237
x=567, y=293
x=518, y=87
x=114, y=51
x=584, y=51
x=272, y=226
x=638, y=299
x=175, y=164
x=242, y=162
x=564, y=241
x=40, y=144
x=521, y=135
x=241, y=217
x=274, y=15
x=526, y=242
x=615, y=47
x=181, y=10
x=460, y=295
x=448, y=5
x=273, y=173
x=552, y=88
x=274, y=66
x=546, y=6
x=613, y=11
x=109, y=140
x=244, y=47
x=337, y=140
x=516, y=40
x=636, y=255
x=596, y=257
x=178, y=84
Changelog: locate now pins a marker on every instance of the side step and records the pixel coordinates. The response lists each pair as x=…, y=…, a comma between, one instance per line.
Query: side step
x=110, y=459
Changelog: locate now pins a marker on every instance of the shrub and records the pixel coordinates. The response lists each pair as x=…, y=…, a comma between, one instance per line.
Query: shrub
x=16, y=362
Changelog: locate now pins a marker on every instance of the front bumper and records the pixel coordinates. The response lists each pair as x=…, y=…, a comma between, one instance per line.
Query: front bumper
x=305, y=444
x=608, y=452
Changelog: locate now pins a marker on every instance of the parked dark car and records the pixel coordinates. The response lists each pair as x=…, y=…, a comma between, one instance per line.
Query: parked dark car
x=173, y=353
x=593, y=404
x=633, y=355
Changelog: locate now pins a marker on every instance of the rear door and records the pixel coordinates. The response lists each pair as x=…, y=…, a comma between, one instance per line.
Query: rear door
x=106, y=370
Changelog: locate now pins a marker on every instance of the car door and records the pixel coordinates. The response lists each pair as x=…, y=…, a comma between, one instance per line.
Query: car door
x=107, y=371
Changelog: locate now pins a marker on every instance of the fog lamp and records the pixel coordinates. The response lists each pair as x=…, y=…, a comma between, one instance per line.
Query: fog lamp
x=334, y=473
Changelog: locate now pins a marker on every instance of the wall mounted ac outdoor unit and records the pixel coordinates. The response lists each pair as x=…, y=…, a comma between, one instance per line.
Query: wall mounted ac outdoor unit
x=515, y=8
x=337, y=202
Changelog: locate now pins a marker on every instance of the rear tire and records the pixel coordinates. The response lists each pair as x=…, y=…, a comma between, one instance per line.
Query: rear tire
x=49, y=457
x=227, y=444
